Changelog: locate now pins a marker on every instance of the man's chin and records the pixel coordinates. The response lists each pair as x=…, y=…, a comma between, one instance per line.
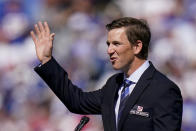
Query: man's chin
x=115, y=67
x=118, y=67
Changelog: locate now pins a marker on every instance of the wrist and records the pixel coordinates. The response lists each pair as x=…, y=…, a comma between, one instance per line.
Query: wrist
x=45, y=60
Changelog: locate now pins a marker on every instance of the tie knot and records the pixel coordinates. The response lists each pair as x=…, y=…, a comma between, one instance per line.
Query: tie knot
x=127, y=83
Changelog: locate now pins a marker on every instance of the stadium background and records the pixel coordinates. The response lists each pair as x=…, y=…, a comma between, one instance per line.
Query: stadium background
x=27, y=104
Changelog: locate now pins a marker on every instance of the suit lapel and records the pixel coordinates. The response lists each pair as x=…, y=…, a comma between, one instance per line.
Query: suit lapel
x=116, y=84
x=143, y=82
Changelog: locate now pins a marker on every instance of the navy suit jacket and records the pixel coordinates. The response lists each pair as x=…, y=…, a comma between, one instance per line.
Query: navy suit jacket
x=160, y=99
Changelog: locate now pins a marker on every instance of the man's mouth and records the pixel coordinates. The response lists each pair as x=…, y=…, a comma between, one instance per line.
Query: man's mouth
x=113, y=59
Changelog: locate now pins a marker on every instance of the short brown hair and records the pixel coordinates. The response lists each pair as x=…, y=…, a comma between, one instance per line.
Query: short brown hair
x=137, y=29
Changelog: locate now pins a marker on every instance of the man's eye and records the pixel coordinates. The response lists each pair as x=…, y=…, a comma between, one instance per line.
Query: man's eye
x=107, y=43
x=116, y=43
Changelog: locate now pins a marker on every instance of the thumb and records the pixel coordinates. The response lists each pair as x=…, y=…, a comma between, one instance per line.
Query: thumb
x=52, y=36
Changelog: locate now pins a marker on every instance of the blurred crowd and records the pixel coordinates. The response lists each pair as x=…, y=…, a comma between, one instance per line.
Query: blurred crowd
x=27, y=104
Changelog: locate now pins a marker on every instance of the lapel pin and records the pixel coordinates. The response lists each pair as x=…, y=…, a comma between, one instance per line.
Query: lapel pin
x=139, y=108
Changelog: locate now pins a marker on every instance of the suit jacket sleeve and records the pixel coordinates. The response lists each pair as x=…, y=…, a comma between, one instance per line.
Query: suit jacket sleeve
x=73, y=97
x=168, y=109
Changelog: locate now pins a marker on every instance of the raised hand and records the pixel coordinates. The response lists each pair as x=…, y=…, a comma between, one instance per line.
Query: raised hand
x=43, y=41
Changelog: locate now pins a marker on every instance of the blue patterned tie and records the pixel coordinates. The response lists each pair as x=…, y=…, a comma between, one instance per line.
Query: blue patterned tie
x=124, y=96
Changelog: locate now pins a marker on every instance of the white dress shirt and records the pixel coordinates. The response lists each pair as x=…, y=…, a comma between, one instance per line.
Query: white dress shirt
x=134, y=77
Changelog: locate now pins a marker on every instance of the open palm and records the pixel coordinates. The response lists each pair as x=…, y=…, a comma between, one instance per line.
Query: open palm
x=43, y=41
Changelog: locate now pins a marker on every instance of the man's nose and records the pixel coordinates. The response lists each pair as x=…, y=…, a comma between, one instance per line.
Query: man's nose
x=110, y=50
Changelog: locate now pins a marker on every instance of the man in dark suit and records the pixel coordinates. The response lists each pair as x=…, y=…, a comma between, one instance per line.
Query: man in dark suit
x=138, y=99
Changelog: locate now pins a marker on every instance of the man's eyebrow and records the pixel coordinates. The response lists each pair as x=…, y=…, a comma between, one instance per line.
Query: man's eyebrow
x=115, y=42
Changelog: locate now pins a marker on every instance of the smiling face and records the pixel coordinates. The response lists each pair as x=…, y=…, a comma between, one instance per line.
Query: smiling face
x=120, y=50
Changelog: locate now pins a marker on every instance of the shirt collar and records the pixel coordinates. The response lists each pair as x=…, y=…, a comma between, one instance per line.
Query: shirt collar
x=135, y=76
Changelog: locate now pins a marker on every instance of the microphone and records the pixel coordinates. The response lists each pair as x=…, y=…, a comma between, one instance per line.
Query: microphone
x=84, y=120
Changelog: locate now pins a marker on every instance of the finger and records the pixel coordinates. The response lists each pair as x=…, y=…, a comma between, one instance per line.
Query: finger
x=33, y=37
x=37, y=31
x=41, y=28
x=52, y=36
x=47, y=29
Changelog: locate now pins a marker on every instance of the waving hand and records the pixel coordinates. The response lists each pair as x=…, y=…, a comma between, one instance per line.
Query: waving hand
x=43, y=41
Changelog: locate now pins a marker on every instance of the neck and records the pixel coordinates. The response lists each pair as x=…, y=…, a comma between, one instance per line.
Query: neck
x=136, y=63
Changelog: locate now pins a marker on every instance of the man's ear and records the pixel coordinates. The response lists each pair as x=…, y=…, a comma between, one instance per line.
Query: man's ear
x=137, y=47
